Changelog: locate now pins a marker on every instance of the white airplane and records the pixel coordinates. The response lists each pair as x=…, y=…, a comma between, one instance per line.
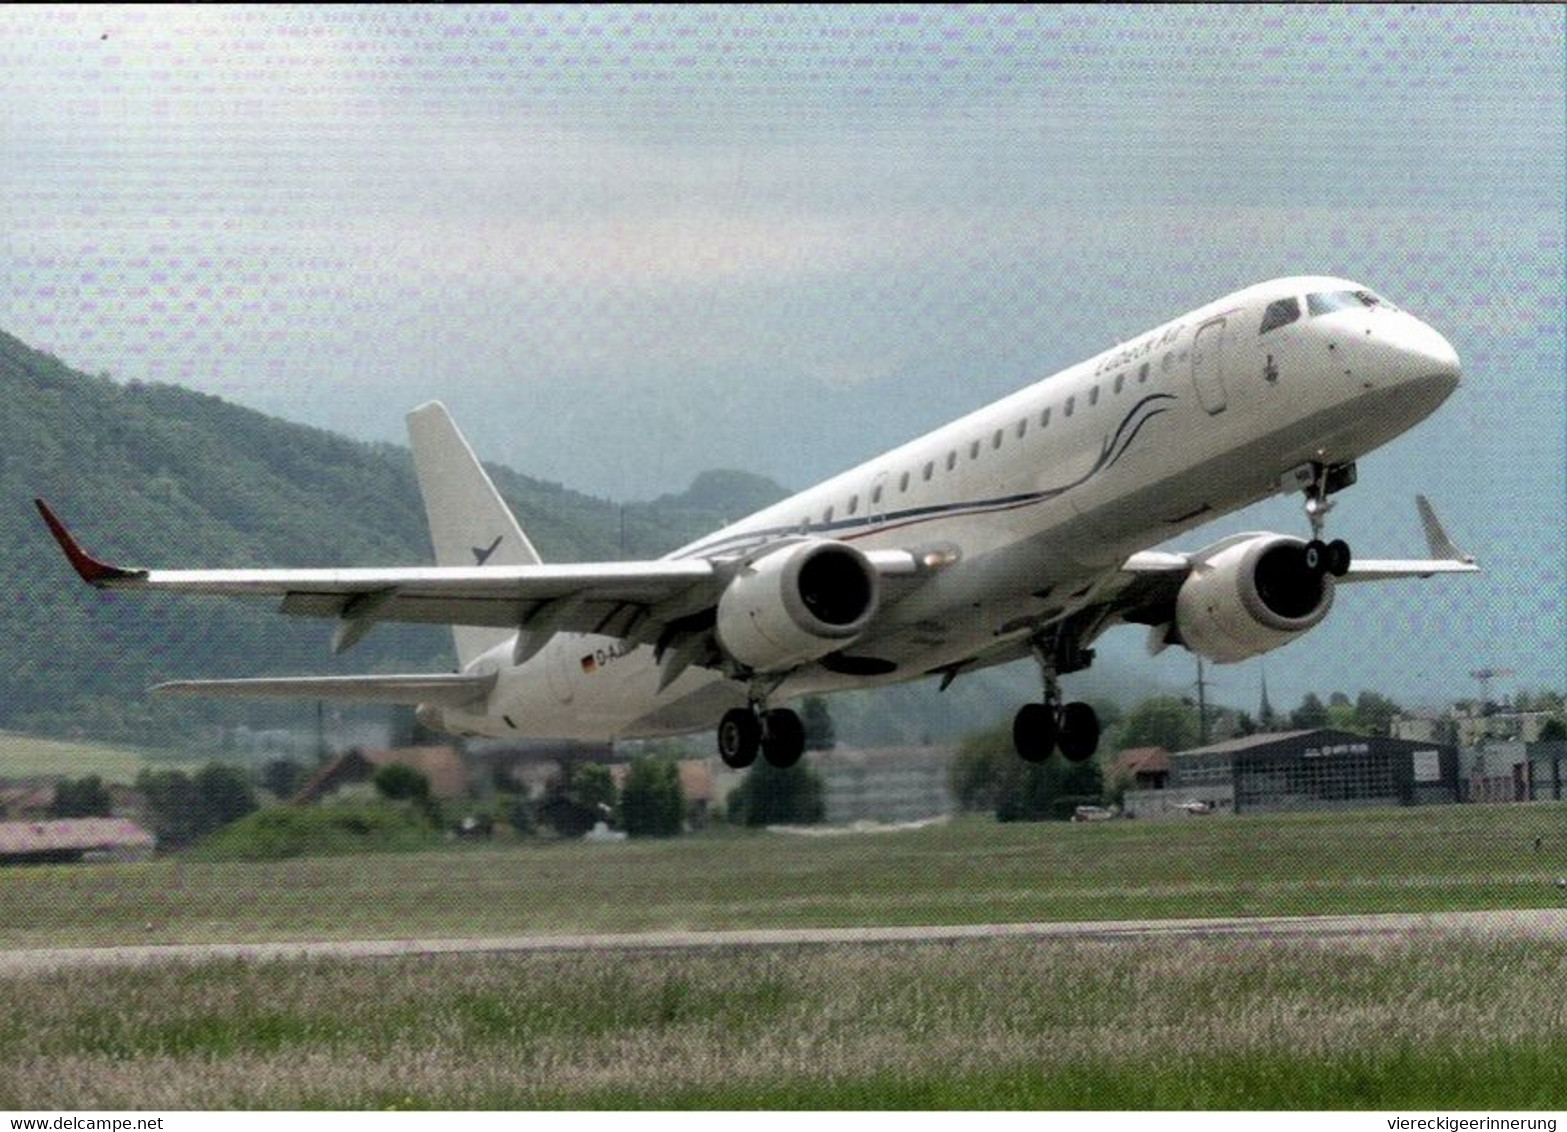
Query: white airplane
x=1019, y=530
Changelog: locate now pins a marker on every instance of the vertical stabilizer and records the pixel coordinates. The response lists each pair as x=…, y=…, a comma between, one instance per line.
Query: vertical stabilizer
x=470, y=525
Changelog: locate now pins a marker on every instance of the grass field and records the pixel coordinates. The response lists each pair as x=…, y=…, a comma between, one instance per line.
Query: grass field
x=971, y=871
x=1145, y=1024
x=25, y=756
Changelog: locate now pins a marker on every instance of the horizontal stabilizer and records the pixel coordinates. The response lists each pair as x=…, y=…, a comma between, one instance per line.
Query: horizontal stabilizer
x=446, y=690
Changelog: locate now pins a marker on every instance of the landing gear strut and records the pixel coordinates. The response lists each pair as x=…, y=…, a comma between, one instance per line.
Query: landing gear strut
x=1326, y=557
x=1039, y=729
x=778, y=734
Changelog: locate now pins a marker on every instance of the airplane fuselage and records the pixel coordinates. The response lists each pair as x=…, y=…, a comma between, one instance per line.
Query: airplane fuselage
x=1034, y=497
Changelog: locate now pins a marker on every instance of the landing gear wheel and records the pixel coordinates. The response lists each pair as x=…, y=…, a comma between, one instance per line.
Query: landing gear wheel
x=1079, y=732
x=1034, y=732
x=1315, y=556
x=783, y=738
x=1338, y=558
x=739, y=738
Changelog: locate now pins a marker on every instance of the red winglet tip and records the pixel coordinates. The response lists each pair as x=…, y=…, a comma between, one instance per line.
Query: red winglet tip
x=92, y=571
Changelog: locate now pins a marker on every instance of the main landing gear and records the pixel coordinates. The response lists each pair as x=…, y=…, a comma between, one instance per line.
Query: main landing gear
x=1039, y=729
x=778, y=734
x=1326, y=557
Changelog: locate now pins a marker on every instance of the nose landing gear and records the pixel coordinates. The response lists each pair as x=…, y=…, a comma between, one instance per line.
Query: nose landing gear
x=1326, y=557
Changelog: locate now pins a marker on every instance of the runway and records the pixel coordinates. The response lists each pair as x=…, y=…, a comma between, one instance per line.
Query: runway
x=1544, y=924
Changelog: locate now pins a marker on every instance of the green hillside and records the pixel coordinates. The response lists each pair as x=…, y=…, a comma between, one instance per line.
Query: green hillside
x=157, y=474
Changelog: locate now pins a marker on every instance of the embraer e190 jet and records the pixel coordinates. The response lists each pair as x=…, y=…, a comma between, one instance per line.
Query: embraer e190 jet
x=1020, y=530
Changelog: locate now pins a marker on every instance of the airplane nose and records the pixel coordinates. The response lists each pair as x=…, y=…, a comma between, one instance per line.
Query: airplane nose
x=1440, y=357
x=1427, y=359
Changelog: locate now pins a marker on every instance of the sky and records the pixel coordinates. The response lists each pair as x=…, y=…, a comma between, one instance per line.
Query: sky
x=625, y=245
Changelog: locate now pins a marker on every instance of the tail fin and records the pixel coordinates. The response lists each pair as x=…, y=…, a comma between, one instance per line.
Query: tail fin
x=469, y=522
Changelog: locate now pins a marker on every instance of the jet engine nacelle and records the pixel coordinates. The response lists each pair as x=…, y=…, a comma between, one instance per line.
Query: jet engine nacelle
x=1250, y=598
x=796, y=604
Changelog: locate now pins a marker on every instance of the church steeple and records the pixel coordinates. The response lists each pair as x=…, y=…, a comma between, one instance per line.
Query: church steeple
x=1265, y=716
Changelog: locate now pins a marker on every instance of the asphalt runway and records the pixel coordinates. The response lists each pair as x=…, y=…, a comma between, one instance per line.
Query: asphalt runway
x=1540, y=924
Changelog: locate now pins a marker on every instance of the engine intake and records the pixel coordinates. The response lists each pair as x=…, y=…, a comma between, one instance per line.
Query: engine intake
x=796, y=604
x=1251, y=597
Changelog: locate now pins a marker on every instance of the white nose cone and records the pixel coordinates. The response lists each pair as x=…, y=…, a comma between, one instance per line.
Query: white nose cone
x=1430, y=358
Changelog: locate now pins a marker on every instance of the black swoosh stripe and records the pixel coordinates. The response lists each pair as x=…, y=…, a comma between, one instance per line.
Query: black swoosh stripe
x=1114, y=447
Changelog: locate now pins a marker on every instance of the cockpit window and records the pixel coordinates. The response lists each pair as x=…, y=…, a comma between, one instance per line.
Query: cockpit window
x=1281, y=313
x=1324, y=302
x=1372, y=299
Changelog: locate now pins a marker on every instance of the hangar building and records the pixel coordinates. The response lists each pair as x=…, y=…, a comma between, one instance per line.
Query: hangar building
x=1305, y=770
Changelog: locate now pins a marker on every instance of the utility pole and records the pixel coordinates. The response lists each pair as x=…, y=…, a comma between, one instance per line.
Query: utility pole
x=1485, y=676
x=1202, y=705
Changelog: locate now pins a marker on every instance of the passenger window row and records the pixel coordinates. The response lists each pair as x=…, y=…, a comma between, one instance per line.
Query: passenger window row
x=1021, y=429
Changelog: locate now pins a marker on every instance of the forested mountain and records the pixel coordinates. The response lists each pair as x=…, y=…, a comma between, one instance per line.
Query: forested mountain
x=160, y=475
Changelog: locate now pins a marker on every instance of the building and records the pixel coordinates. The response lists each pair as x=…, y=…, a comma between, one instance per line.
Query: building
x=68, y=840
x=1474, y=725
x=29, y=800
x=1141, y=768
x=1514, y=772
x=353, y=770
x=1547, y=771
x=886, y=784
x=1303, y=770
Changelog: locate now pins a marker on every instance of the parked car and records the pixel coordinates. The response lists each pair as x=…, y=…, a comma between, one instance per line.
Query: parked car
x=1092, y=813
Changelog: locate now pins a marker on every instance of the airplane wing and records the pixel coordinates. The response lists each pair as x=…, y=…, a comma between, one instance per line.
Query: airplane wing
x=640, y=602
x=446, y=690
x=1145, y=590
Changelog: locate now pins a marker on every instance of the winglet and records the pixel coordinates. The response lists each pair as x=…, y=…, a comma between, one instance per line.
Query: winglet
x=1436, y=538
x=92, y=571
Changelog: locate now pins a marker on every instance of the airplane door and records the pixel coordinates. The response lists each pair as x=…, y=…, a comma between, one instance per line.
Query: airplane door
x=1208, y=366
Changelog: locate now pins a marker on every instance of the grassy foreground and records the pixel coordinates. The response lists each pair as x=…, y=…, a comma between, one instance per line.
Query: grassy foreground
x=1060, y=1024
x=971, y=871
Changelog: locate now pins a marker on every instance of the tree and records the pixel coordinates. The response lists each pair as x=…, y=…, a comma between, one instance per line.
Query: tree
x=651, y=802
x=83, y=798
x=1342, y=717
x=1554, y=730
x=1376, y=713
x=591, y=786
x=282, y=777
x=976, y=771
x=402, y=783
x=171, y=801
x=820, y=734
x=224, y=795
x=1050, y=790
x=1311, y=714
x=519, y=815
x=1160, y=721
x=185, y=809
x=770, y=796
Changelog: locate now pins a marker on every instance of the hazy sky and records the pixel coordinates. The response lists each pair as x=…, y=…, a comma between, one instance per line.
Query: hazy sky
x=625, y=245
